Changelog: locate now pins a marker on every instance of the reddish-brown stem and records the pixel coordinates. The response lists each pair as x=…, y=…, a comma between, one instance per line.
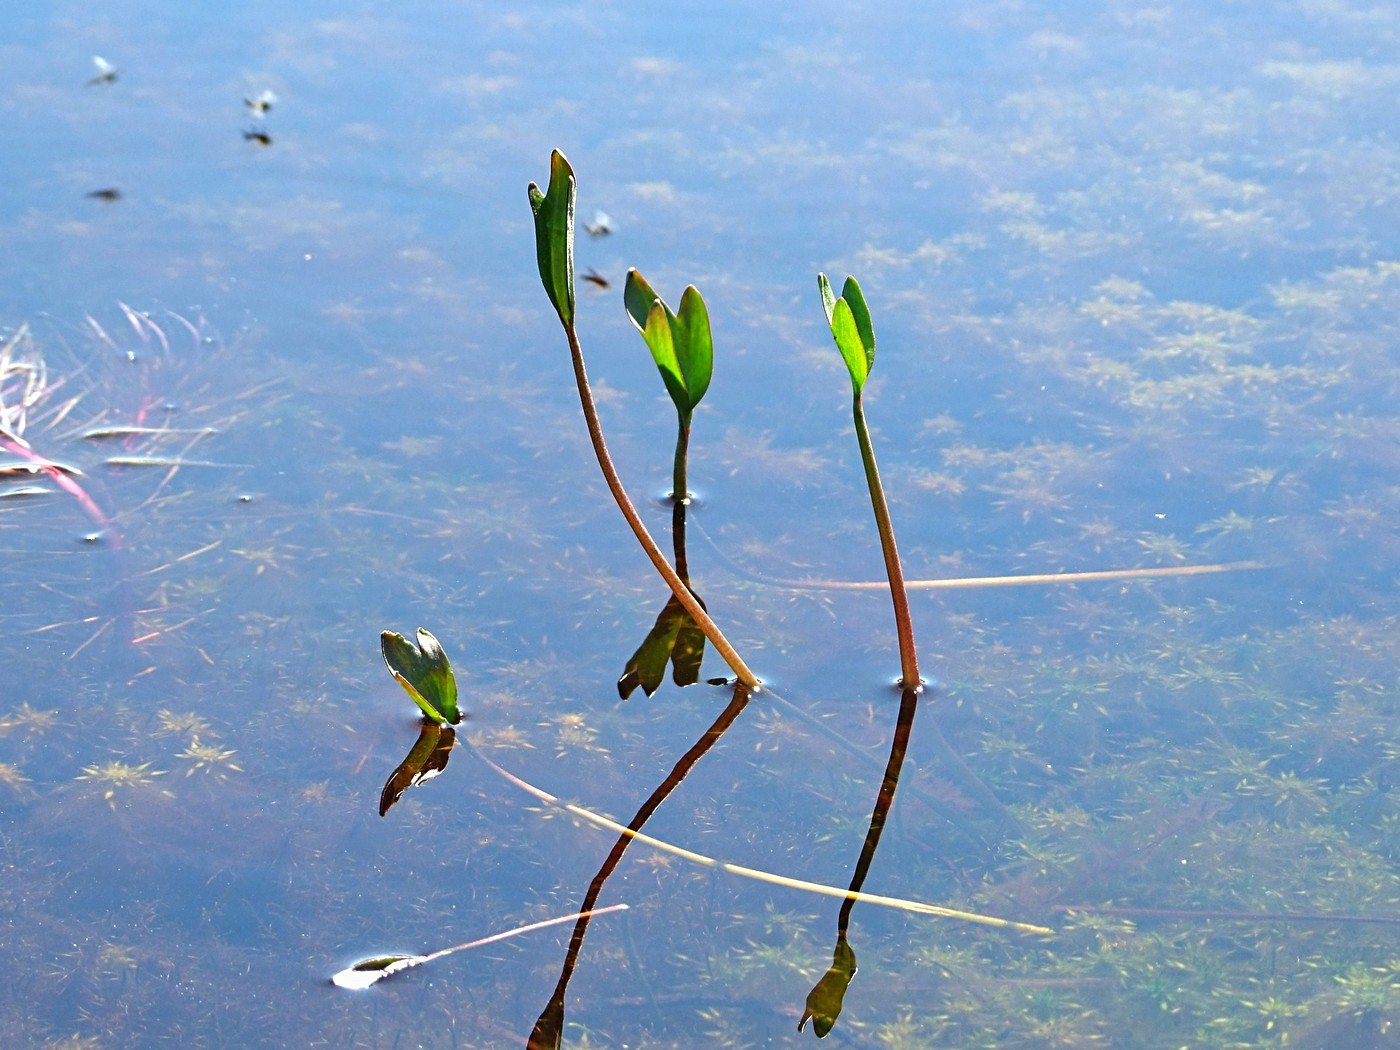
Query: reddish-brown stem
x=624, y=503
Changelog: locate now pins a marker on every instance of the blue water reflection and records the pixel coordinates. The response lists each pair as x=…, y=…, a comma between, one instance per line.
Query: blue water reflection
x=1131, y=273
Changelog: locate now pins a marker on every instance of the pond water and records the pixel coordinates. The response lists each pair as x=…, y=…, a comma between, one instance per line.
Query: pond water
x=1134, y=278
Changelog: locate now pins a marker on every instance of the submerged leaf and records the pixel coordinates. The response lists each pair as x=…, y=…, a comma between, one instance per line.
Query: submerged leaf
x=825, y=1000
x=554, y=235
x=424, y=672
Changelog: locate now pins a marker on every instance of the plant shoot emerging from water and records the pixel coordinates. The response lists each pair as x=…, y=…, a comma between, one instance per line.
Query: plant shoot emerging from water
x=554, y=246
x=683, y=350
x=849, y=319
x=424, y=672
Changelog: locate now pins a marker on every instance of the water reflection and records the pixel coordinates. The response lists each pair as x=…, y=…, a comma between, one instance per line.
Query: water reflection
x=1139, y=263
x=548, y=1032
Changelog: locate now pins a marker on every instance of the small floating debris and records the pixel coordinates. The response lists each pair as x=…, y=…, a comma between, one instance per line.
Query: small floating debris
x=260, y=103
x=106, y=72
x=601, y=226
x=102, y=433
x=107, y=195
x=17, y=467
x=164, y=461
x=370, y=971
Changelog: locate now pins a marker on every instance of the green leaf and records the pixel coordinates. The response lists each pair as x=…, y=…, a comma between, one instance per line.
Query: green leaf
x=554, y=235
x=825, y=1000
x=637, y=297
x=855, y=299
x=660, y=337
x=849, y=318
x=828, y=296
x=843, y=329
x=695, y=349
x=424, y=672
x=685, y=354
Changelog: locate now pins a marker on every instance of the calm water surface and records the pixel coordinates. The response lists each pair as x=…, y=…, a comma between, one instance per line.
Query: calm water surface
x=1134, y=275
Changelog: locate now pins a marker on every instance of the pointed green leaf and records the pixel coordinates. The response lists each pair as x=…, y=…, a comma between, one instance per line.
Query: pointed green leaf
x=855, y=299
x=849, y=318
x=828, y=296
x=424, y=672
x=843, y=329
x=659, y=335
x=647, y=667
x=695, y=350
x=554, y=235
x=825, y=1000
x=637, y=296
x=687, y=365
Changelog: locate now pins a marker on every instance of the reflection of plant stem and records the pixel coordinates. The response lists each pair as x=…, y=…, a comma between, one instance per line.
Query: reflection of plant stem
x=825, y=1000
x=904, y=625
x=680, y=496
x=624, y=503
x=549, y=1027
x=908, y=706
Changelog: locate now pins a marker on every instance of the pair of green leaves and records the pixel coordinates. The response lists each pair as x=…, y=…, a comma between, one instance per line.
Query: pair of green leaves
x=424, y=672
x=849, y=319
x=679, y=341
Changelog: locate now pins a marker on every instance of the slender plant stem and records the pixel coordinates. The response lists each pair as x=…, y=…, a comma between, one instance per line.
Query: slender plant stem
x=624, y=503
x=679, y=490
x=680, y=497
x=904, y=624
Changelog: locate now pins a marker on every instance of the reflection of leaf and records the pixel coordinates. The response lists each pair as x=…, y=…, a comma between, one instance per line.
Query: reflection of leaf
x=424, y=672
x=548, y=1033
x=426, y=760
x=824, y=1001
x=674, y=637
